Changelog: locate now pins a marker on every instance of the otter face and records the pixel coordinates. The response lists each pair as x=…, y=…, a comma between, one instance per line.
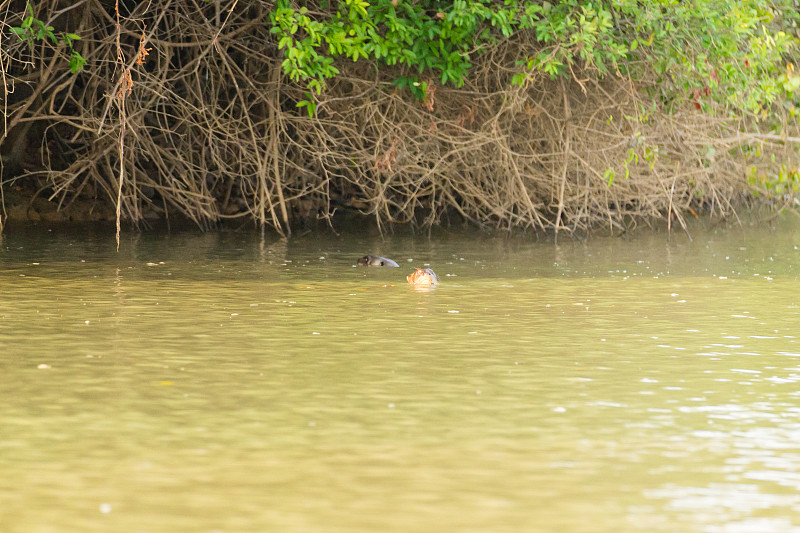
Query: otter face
x=423, y=276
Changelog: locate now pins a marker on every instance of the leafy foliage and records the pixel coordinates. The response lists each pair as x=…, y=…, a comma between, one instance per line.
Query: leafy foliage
x=718, y=54
x=725, y=53
x=32, y=29
x=781, y=184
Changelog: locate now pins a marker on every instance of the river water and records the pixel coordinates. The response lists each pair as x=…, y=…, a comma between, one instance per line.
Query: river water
x=229, y=382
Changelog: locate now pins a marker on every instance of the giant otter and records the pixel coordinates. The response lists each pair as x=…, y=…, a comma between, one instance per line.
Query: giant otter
x=423, y=276
x=375, y=261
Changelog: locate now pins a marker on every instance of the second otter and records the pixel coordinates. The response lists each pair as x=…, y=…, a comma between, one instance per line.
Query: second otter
x=376, y=261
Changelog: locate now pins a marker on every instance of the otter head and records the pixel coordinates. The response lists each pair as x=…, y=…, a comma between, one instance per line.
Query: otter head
x=423, y=276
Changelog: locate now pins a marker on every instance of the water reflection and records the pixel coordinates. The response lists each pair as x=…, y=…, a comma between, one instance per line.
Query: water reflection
x=231, y=382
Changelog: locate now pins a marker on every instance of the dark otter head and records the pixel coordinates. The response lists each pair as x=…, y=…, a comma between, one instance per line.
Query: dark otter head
x=375, y=261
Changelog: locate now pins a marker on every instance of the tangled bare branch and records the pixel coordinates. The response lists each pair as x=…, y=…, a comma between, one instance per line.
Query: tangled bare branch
x=209, y=129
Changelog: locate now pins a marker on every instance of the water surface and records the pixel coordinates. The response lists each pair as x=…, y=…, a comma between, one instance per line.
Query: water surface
x=229, y=382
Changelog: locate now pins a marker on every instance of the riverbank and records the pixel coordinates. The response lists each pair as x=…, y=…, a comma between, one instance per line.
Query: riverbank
x=205, y=125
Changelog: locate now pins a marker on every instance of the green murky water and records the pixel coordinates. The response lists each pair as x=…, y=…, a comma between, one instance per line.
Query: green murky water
x=223, y=382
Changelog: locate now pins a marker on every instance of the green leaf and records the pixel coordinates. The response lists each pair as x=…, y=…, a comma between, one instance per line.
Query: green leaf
x=76, y=62
x=311, y=107
x=609, y=176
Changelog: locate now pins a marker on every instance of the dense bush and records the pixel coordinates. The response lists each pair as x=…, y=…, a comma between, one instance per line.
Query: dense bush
x=508, y=114
x=734, y=53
